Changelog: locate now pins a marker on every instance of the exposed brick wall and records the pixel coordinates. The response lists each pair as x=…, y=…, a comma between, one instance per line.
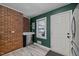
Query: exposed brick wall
x=11, y=30
x=26, y=25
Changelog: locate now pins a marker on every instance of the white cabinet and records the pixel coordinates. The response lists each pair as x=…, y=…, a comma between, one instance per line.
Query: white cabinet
x=28, y=37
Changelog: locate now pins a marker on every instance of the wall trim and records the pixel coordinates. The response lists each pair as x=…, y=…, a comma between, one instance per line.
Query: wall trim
x=41, y=46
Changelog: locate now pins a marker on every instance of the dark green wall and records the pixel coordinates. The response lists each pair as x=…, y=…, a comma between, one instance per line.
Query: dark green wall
x=46, y=42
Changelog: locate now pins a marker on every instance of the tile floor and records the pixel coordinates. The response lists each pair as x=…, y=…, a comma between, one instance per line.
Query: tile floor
x=32, y=50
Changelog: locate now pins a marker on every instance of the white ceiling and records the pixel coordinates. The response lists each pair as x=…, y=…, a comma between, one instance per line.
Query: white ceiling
x=33, y=9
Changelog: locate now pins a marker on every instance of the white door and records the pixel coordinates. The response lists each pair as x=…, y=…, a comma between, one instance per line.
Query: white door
x=60, y=29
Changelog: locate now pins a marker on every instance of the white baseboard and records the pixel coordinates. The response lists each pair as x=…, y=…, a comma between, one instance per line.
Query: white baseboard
x=42, y=46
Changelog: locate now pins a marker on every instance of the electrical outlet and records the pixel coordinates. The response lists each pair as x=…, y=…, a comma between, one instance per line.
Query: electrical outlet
x=39, y=42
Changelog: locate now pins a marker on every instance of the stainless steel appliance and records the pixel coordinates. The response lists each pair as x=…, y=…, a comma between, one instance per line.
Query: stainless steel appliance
x=75, y=32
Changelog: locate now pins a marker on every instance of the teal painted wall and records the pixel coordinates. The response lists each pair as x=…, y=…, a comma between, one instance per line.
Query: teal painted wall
x=46, y=42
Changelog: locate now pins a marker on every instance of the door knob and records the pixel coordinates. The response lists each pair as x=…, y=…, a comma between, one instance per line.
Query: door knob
x=68, y=33
x=68, y=36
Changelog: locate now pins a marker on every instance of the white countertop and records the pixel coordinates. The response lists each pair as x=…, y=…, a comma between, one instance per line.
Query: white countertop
x=28, y=33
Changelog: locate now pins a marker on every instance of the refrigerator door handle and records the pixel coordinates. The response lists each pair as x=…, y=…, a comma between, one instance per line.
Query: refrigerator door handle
x=73, y=27
x=73, y=52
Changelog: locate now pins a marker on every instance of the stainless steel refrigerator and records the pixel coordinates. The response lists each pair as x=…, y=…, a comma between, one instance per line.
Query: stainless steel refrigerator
x=75, y=32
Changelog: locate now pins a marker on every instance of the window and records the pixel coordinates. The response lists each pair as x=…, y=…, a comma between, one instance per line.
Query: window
x=41, y=28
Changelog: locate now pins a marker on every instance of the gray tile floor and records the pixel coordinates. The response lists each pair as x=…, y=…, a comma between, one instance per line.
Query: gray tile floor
x=32, y=50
